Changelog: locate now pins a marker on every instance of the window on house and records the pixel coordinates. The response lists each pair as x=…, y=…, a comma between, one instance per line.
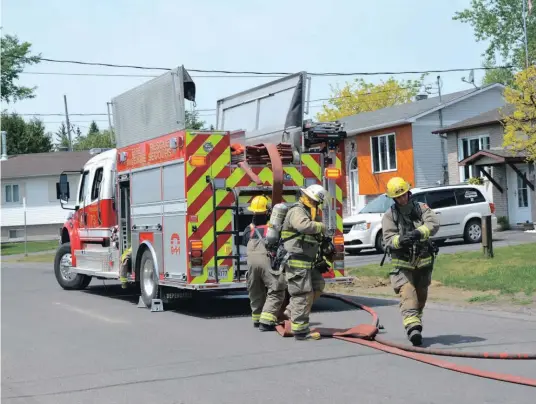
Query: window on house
x=383, y=150
x=467, y=147
x=12, y=193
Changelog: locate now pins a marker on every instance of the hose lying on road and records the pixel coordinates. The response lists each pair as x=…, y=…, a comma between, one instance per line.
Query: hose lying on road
x=365, y=334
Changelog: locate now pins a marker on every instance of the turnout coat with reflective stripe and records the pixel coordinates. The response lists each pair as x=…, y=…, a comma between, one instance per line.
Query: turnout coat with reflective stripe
x=304, y=247
x=428, y=226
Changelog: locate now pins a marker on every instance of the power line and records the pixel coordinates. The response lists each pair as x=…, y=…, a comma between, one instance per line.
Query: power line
x=266, y=73
x=214, y=109
x=145, y=75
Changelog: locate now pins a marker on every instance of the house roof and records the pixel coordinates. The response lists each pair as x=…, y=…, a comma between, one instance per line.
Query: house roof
x=498, y=155
x=406, y=113
x=493, y=116
x=42, y=164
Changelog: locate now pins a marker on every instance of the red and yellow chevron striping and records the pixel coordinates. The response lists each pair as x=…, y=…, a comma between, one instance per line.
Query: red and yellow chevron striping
x=216, y=148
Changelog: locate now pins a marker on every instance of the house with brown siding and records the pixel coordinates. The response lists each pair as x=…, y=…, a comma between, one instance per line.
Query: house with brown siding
x=398, y=141
x=475, y=149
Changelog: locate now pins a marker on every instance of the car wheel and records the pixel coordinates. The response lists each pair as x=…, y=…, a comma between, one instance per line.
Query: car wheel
x=473, y=231
x=379, y=244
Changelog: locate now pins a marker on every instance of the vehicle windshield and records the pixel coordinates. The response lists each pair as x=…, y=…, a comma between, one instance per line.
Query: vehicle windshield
x=379, y=204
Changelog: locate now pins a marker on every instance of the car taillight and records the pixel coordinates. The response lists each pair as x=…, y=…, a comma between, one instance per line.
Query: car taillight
x=492, y=207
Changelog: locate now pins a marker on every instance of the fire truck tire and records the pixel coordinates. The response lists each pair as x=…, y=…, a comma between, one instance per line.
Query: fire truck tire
x=148, y=285
x=68, y=281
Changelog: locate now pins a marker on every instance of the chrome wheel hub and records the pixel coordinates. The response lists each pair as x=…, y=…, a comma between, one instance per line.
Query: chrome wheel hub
x=148, y=278
x=66, y=264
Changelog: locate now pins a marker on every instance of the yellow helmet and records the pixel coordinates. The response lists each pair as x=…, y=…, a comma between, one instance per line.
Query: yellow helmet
x=258, y=204
x=396, y=187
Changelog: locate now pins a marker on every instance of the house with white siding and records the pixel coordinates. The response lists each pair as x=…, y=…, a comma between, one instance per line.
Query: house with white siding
x=32, y=178
x=398, y=141
x=475, y=150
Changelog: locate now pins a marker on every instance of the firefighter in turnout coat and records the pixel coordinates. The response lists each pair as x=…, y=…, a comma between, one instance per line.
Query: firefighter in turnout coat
x=302, y=249
x=407, y=227
x=266, y=289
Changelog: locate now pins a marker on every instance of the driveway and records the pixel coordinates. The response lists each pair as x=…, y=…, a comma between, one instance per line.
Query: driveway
x=500, y=239
x=96, y=346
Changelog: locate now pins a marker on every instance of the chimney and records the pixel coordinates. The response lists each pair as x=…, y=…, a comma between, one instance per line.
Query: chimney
x=4, y=146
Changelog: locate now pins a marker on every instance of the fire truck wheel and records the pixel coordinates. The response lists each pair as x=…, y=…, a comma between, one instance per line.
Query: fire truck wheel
x=62, y=263
x=148, y=285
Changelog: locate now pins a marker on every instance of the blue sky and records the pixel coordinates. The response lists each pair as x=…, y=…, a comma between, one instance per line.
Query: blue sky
x=313, y=35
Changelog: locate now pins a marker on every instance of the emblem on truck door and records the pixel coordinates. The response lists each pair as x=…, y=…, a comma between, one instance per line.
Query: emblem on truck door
x=175, y=244
x=208, y=147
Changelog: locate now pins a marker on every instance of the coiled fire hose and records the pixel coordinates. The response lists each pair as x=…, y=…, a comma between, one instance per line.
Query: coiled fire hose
x=366, y=334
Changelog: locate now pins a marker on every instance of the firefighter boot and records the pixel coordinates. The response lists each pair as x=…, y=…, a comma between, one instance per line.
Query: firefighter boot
x=266, y=327
x=414, y=334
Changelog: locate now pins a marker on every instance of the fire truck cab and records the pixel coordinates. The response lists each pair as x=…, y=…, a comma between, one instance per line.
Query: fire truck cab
x=176, y=199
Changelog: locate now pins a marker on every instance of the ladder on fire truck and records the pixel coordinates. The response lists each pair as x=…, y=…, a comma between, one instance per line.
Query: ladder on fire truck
x=276, y=190
x=322, y=137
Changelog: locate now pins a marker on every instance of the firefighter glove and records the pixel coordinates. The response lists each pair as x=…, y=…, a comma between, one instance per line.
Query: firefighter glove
x=322, y=267
x=415, y=235
x=406, y=239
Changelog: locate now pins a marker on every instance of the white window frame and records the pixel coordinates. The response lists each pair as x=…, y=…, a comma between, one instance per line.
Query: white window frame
x=353, y=184
x=5, y=193
x=472, y=169
x=383, y=169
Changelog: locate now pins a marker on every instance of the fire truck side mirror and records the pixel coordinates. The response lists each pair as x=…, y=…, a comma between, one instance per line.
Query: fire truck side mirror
x=62, y=188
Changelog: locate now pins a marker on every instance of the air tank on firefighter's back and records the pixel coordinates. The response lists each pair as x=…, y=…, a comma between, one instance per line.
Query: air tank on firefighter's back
x=279, y=212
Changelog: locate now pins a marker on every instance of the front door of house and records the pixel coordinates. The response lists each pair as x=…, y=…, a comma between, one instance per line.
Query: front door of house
x=519, y=196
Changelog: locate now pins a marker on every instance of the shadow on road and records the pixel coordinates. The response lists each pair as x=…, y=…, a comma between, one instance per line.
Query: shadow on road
x=234, y=304
x=449, y=340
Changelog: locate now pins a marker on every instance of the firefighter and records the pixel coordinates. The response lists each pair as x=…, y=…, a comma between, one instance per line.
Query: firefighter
x=302, y=249
x=407, y=228
x=266, y=289
x=126, y=266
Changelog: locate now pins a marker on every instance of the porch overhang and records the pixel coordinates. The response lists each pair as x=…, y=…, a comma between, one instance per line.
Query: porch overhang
x=489, y=158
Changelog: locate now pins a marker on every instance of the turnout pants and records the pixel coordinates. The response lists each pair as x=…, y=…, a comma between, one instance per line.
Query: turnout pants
x=266, y=290
x=305, y=285
x=412, y=286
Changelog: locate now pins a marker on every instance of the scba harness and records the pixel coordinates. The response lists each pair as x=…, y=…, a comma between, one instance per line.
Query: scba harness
x=418, y=247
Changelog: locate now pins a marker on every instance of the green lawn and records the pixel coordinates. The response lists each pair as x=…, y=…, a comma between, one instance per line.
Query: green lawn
x=512, y=270
x=31, y=246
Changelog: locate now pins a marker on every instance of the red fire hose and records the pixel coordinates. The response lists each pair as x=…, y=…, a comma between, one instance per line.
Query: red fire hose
x=365, y=334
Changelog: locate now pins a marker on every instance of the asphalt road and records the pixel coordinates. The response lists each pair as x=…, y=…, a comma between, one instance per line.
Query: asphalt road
x=500, y=239
x=96, y=346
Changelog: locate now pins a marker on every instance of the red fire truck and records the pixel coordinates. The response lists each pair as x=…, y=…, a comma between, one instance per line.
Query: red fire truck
x=178, y=197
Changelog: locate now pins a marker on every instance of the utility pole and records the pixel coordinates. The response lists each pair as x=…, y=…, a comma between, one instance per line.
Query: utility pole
x=108, y=104
x=68, y=123
x=525, y=35
x=441, y=137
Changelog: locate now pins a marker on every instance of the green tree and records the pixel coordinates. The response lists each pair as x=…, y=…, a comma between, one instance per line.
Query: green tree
x=520, y=127
x=93, y=128
x=15, y=57
x=25, y=137
x=192, y=120
x=359, y=96
x=501, y=23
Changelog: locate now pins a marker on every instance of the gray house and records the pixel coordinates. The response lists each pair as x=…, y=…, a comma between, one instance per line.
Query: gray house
x=398, y=141
x=475, y=149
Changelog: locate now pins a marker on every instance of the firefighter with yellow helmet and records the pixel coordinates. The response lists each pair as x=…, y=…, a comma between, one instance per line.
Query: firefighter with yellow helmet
x=303, y=235
x=266, y=289
x=407, y=227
